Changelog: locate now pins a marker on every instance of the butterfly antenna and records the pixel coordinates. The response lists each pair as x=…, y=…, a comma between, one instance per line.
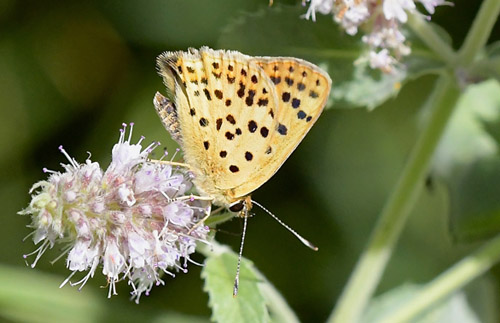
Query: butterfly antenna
x=237, y=278
x=298, y=236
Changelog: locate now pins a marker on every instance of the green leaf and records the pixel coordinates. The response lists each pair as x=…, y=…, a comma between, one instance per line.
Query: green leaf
x=257, y=300
x=219, y=273
x=467, y=158
x=279, y=31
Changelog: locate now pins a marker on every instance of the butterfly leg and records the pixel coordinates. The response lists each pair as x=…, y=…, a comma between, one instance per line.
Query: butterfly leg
x=207, y=215
x=199, y=198
x=192, y=198
x=171, y=163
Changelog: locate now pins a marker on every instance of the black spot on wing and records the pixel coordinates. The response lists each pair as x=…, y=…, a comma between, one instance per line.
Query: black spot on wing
x=264, y=132
x=282, y=130
x=231, y=119
x=295, y=103
x=218, y=94
x=262, y=102
x=203, y=122
x=249, y=98
x=207, y=94
x=252, y=126
x=276, y=79
x=241, y=90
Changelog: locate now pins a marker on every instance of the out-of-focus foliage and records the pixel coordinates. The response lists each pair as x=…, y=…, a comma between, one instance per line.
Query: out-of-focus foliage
x=71, y=72
x=469, y=162
x=456, y=308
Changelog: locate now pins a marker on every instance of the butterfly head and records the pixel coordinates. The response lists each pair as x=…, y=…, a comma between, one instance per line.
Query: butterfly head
x=241, y=207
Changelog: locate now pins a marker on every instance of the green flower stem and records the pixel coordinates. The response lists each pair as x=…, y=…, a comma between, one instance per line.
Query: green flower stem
x=479, y=32
x=428, y=35
x=372, y=262
x=451, y=280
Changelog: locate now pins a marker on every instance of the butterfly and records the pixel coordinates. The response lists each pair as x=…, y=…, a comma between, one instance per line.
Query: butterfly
x=237, y=118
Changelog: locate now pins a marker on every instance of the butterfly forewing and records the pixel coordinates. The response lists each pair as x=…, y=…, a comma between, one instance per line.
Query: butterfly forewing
x=301, y=90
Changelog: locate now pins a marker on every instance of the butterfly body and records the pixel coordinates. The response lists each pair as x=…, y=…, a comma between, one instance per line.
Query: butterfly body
x=237, y=117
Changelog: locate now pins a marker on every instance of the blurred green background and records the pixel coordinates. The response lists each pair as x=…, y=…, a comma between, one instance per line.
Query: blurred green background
x=71, y=72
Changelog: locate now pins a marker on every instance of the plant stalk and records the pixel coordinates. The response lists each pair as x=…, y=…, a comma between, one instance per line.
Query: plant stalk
x=480, y=32
x=428, y=35
x=373, y=260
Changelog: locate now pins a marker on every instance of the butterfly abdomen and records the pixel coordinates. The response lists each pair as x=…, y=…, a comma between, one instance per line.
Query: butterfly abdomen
x=168, y=115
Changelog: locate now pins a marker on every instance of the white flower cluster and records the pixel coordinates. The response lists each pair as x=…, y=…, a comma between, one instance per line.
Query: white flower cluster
x=134, y=219
x=382, y=19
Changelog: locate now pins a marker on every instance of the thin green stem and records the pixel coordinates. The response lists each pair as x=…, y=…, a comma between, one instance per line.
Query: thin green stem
x=448, y=282
x=372, y=262
x=429, y=36
x=479, y=32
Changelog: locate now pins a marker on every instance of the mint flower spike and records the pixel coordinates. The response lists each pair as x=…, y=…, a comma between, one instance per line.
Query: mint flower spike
x=382, y=22
x=135, y=219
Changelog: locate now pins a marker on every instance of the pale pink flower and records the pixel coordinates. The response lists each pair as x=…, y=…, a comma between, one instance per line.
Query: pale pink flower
x=132, y=219
x=382, y=21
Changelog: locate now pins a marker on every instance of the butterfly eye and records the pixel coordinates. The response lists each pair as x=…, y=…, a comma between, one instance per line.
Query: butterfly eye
x=237, y=207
